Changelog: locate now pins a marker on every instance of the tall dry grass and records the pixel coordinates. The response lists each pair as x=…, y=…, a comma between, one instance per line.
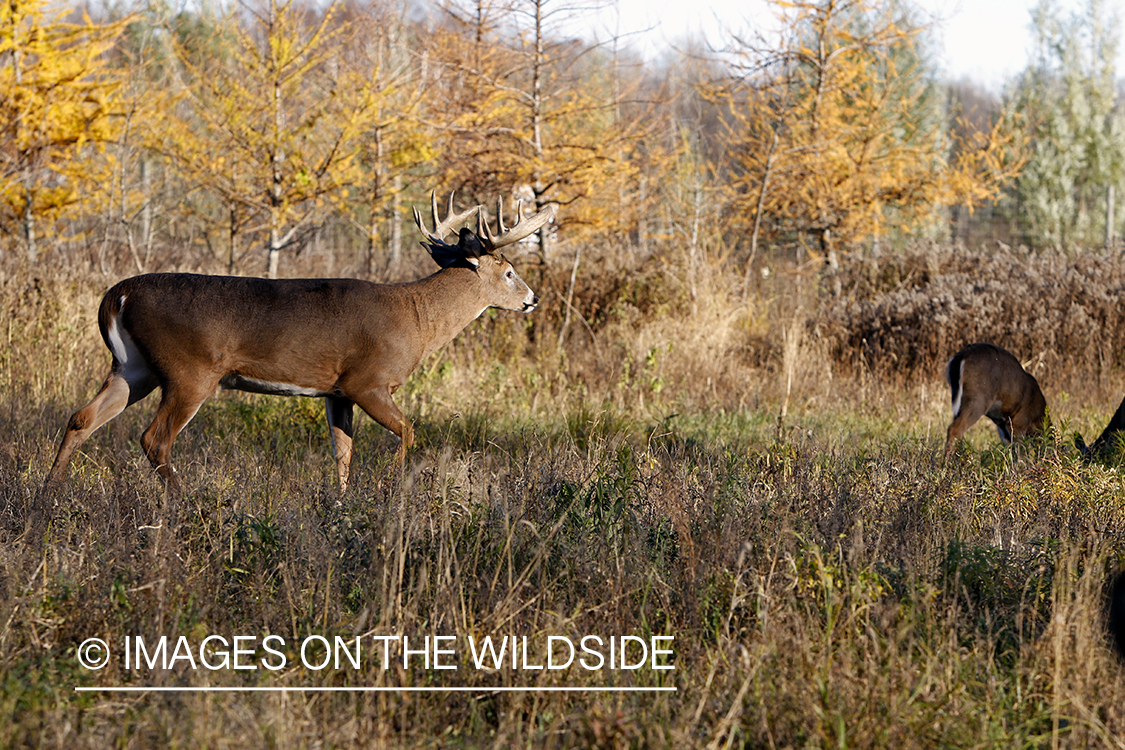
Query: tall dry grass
x=828, y=582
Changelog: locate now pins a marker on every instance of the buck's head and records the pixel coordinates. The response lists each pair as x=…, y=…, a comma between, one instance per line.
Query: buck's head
x=480, y=251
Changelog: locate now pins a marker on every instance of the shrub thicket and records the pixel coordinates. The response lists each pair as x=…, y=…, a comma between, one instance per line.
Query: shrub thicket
x=911, y=311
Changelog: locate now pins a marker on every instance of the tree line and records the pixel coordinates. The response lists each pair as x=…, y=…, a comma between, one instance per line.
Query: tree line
x=237, y=136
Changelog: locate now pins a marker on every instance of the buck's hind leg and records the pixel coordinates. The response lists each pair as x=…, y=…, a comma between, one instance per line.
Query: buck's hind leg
x=117, y=393
x=341, y=430
x=968, y=415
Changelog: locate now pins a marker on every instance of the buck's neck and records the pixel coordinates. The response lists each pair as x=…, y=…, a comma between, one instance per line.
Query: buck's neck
x=445, y=303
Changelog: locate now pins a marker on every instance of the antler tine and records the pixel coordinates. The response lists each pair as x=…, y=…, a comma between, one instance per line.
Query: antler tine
x=483, y=230
x=449, y=210
x=434, y=209
x=431, y=236
x=500, y=214
x=524, y=226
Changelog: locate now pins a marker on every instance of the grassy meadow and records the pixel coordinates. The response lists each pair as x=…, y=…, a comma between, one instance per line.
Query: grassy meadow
x=757, y=475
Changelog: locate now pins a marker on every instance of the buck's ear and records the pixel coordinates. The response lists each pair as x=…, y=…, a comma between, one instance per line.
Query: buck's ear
x=467, y=251
x=444, y=255
x=470, y=246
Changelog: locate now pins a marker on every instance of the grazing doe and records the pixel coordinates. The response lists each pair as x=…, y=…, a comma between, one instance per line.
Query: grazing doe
x=987, y=381
x=347, y=341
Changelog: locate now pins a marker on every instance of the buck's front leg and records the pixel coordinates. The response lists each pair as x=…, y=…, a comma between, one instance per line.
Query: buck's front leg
x=381, y=407
x=338, y=409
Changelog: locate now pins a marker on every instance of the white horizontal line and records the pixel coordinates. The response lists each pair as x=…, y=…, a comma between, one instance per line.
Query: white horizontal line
x=461, y=689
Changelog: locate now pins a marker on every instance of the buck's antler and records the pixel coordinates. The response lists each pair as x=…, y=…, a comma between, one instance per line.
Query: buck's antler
x=442, y=228
x=521, y=229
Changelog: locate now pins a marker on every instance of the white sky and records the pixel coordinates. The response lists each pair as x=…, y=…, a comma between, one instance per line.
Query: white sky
x=986, y=40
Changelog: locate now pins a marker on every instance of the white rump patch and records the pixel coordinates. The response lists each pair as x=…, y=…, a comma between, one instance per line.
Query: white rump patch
x=117, y=338
x=960, y=389
x=131, y=365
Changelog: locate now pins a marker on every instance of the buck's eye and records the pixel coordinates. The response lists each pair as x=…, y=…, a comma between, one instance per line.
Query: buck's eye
x=510, y=273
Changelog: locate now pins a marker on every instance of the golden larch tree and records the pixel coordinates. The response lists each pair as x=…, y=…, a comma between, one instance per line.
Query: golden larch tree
x=833, y=130
x=57, y=97
x=527, y=108
x=272, y=126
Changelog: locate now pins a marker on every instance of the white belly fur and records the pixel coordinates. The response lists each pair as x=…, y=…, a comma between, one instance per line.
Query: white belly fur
x=253, y=385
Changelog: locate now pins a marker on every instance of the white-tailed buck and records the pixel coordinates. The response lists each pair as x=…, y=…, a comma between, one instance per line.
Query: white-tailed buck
x=345, y=340
x=987, y=381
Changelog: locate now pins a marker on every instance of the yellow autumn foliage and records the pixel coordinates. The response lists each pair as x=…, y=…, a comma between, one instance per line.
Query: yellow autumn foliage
x=273, y=130
x=57, y=96
x=834, y=132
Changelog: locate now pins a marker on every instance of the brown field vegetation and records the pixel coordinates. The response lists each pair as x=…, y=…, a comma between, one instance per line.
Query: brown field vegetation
x=827, y=580
x=902, y=312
